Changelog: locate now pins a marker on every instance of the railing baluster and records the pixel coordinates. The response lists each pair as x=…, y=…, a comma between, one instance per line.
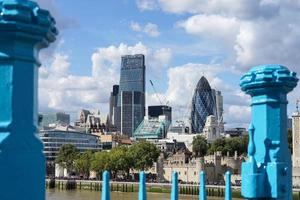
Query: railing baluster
x=228, y=186
x=202, y=190
x=105, y=186
x=174, y=192
x=142, y=187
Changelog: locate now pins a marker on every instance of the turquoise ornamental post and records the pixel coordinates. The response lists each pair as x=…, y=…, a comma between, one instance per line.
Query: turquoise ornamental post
x=174, y=189
x=202, y=189
x=24, y=30
x=142, y=186
x=268, y=172
x=228, y=185
x=105, y=193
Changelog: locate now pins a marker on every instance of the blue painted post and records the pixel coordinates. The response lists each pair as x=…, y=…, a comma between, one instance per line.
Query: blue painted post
x=105, y=194
x=268, y=171
x=228, y=186
x=174, y=192
x=142, y=187
x=202, y=189
x=24, y=30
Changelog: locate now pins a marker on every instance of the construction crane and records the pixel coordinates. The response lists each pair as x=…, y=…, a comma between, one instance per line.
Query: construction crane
x=156, y=93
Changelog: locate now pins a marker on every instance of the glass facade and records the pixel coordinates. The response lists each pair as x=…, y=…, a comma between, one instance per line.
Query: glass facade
x=152, y=128
x=156, y=111
x=54, y=139
x=203, y=105
x=46, y=120
x=130, y=109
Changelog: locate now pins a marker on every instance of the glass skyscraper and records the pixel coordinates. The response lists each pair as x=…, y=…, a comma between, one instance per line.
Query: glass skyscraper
x=205, y=102
x=130, y=109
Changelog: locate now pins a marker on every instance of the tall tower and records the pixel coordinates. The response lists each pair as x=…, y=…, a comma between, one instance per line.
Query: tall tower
x=205, y=102
x=131, y=98
x=296, y=140
x=113, y=101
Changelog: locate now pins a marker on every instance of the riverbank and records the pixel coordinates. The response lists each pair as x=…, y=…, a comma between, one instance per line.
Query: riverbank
x=211, y=191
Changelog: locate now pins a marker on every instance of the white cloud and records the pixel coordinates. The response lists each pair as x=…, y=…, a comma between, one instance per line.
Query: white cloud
x=228, y=8
x=149, y=29
x=182, y=81
x=212, y=27
x=60, y=90
x=147, y=4
x=135, y=26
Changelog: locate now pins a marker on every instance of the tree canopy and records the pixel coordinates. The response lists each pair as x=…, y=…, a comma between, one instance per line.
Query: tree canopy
x=144, y=154
x=66, y=156
x=230, y=145
x=200, y=146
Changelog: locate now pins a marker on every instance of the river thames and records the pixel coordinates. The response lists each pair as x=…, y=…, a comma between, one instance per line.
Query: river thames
x=92, y=195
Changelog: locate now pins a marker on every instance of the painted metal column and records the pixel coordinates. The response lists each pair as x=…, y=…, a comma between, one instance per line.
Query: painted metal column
x=174, y=187
x=105, y=193
x=268, y=171
x=24, y=30
x=142, y=186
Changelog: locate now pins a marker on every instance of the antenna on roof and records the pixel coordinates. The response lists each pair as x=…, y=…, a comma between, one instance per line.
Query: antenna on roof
x=297, y=105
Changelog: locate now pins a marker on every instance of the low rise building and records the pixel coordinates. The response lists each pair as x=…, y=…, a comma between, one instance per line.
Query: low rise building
x=152, y=128
x=189, y=167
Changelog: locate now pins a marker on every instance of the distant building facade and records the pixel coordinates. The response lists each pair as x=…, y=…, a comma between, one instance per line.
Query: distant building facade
x=206, y=102
x=130, y=109
x=54, y=139
x=152, y=128
x=54, y=119
x=296, y=148
x=89, y=121
x=188, y=168
x=113, y=103
x=156, y=111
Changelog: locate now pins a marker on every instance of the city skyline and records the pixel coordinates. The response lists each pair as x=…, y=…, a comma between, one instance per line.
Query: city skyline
x=179, y=44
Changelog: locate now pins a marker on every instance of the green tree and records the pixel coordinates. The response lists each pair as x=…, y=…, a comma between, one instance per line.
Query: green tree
x=66, y=156
x=144, y=154
x=217, y=145
x=100, y=162
x=83, y=163
x=230, y=145
x=200, y=146
x=120, y=160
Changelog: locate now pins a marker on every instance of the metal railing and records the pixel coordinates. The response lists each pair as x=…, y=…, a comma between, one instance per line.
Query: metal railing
x=142, y=195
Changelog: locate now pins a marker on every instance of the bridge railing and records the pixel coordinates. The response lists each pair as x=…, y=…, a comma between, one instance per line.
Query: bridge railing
x=142, y=195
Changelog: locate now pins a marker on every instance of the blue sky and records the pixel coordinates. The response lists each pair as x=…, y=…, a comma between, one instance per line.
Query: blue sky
x=182, y=40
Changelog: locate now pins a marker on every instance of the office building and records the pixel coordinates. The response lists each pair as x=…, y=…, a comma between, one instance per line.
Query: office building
x=89, y=122
x=53, y=139
x=156, y=111
x=152, y=128
x=113, y=102
x=130, y=109
x=206, y=102
x=54, y=119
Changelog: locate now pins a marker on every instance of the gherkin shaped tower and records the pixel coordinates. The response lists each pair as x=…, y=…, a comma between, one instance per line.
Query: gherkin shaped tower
x=203, y=105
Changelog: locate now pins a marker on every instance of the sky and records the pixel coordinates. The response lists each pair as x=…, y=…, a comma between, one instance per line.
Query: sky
x=182, y=41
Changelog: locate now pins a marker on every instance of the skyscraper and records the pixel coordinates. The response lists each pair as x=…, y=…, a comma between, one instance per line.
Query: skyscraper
x=205, y=102
x=130, y=109
x=113, y=102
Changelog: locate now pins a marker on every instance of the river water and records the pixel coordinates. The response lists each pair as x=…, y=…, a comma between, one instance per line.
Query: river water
x=92, y=195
